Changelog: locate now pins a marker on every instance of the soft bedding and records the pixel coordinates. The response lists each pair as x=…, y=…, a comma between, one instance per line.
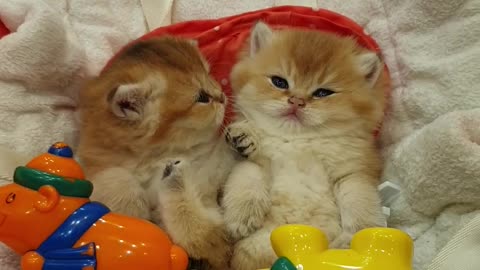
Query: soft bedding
x=430, y=136
x=54, y=45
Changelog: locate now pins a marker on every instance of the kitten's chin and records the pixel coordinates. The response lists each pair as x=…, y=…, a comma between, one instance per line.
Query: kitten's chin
x=292, y=124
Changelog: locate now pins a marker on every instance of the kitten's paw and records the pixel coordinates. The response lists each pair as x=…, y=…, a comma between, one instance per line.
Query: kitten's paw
x=221, y=251
x=241, y=139
x=173, y=173
x=241, y=224
x=241, y=229
x=342, y=241
x=215, y=251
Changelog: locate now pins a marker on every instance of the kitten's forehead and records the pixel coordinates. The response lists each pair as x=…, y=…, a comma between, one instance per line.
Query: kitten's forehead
x=161, y=53
x=178, y=61
x=313, y=54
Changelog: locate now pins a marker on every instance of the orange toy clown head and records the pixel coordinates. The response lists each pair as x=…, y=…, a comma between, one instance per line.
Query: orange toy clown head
x=32, y=207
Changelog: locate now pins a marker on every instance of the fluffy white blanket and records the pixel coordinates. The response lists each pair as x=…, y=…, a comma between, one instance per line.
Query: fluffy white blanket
x=431, y=135
x=53, y=47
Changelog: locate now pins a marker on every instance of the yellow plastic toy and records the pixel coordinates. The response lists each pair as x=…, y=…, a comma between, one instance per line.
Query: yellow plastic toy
x=301, y=247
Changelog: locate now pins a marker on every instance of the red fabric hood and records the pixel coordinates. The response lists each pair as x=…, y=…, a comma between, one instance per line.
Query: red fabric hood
x=220, y=40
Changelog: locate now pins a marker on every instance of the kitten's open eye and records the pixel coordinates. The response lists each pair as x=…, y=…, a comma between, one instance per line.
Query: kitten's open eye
x=203, y=97
x=321, y=93
x=279, y=82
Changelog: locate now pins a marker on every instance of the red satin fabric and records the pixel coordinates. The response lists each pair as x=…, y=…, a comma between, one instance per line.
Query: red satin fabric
x=3, y=30
x=221, y=39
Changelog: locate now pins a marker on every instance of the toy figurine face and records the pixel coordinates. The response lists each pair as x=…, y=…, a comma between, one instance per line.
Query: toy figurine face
x=17, y=211
x=16, y=204
x=27, y=216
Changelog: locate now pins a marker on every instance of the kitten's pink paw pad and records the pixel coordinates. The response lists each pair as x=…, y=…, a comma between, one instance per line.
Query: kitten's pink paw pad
x=170, y=168
x=173, y=173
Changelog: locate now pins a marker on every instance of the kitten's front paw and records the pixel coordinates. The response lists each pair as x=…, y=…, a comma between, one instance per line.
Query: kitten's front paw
x=241, y=229
x=241, y=139
x=220, y=253
x=246, y=220
x=213, y=249
x=173, y=174
x=342, y=241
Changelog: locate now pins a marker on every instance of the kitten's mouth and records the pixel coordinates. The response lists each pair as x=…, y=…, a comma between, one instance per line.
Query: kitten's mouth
x=293, y=114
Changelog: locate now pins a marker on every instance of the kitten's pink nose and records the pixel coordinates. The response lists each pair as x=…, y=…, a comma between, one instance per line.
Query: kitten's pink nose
x=298, y=102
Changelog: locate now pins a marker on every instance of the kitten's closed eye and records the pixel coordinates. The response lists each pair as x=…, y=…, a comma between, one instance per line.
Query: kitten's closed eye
x=279, y=82
x=203, y=97
x=321, y=93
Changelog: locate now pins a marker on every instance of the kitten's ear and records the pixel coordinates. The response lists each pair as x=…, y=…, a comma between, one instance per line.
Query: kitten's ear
x=370, y=66
x=127, y=101
x=261, y=35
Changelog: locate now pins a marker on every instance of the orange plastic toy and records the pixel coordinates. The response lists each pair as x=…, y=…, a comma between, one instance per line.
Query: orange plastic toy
x=47, y=217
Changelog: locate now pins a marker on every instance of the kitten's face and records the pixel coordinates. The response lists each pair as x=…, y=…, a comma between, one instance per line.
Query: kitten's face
x=296, y=81
x=158, y=91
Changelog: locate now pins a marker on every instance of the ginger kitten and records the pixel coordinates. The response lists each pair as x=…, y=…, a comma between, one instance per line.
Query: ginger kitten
x=308, y=103
x=152, y=110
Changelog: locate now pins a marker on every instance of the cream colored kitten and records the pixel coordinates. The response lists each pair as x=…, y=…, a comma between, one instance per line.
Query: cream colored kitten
x=309, y=102
x=154, y=104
